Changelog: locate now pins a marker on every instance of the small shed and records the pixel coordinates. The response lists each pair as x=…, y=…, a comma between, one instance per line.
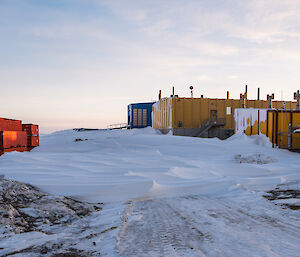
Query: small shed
x=140, y=115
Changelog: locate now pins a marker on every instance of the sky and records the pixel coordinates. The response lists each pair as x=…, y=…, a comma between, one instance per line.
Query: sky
x=79, y=63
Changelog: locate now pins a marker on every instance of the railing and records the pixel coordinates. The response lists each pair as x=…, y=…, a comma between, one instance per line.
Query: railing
x=118, y=126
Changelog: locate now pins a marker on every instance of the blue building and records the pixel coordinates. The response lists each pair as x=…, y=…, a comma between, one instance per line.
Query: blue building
x=140, y=115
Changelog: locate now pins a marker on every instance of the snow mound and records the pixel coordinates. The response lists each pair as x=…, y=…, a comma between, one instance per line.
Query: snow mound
x=260, y=140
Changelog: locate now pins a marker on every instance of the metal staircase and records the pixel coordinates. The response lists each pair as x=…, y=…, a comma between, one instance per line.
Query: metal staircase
x=209, y=124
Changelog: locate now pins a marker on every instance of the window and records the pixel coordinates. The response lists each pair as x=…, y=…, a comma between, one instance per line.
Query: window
x=228, y=110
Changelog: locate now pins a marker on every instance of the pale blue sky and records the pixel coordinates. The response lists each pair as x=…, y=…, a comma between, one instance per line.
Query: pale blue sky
x=78, y=63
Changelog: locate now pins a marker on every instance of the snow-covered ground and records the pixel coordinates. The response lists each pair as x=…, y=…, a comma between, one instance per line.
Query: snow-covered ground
x=162, y=195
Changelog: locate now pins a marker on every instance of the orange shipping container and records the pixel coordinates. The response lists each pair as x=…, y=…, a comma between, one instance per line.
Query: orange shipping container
x=33, y=141
x=10, y=125
x=12, y=139
x=31, y=129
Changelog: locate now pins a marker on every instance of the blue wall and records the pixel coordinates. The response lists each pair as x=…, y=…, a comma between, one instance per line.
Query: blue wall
x=137, y=106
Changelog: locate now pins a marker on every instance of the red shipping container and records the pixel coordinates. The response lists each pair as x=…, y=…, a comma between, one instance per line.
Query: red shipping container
x=11, y=139
x=10, y=125
x=31, y=129
x=33, y=141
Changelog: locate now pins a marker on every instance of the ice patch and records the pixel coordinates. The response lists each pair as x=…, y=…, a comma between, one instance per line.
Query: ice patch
x=189, y=173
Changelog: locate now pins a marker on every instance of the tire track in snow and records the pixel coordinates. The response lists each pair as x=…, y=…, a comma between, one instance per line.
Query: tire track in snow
x=193, y=226
x=155, y=228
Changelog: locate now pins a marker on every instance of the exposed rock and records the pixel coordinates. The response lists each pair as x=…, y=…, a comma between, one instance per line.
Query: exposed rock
x=254, y=159
x=25, y=209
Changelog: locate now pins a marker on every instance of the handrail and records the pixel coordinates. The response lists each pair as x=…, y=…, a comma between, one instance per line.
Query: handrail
x=118, y=126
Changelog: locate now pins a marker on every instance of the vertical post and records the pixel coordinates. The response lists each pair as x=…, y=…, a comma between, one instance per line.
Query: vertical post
x=290, y=147
x=277, y=136
x=159, y=95
x=243, y=98
x=258, y=125
x=273, y=128
x=227, y=94
x=297, y=97
x=173, y=92
x=258, y=93
x=290, y=137
x=270, y=98
x=246, y=91
x=267, y=132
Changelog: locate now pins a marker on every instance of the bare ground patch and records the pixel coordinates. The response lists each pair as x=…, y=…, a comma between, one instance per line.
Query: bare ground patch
x=254, y=159
x=284, y=195
x=64, y=222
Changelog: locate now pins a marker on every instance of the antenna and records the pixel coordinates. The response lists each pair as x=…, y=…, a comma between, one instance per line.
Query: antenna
x=270, y=98
x=243, y=98
x=191, y=88
x=297, y=97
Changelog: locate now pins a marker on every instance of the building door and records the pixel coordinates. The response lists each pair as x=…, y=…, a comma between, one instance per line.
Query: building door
x=144, y=117
x=213, y=115
x=134, y=114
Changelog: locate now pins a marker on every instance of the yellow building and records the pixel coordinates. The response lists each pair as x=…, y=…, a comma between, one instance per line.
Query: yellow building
x=203, y=117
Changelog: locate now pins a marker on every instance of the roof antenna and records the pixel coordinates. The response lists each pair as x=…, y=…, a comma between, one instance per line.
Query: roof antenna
x=191, y=88
x=297, y=97
x=270, y=98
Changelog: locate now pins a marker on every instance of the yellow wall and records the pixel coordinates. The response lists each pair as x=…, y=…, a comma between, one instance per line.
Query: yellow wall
x=296, y=136
x=195, y=112
x=278, y=128
x=271, y=127
x=162, y=114
x=284, y=119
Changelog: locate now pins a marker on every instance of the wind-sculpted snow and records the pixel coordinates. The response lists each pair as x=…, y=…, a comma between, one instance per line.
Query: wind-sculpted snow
x=160, y=175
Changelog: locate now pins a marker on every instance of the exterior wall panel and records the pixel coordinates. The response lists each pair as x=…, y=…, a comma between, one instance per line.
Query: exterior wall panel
x=31, y=129
x=192, y=116
x=10, y=125
x=11, y=139
x=140, y=115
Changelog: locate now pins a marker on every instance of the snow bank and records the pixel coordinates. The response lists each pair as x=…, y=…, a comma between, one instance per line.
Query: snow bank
x=122, y=164
x=193, y=184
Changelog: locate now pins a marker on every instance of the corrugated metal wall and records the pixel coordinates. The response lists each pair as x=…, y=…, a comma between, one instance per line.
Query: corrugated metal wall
x=162, y=114
x=17, y=137
x=195, y=112
x=280, y=124
x=140, y=115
